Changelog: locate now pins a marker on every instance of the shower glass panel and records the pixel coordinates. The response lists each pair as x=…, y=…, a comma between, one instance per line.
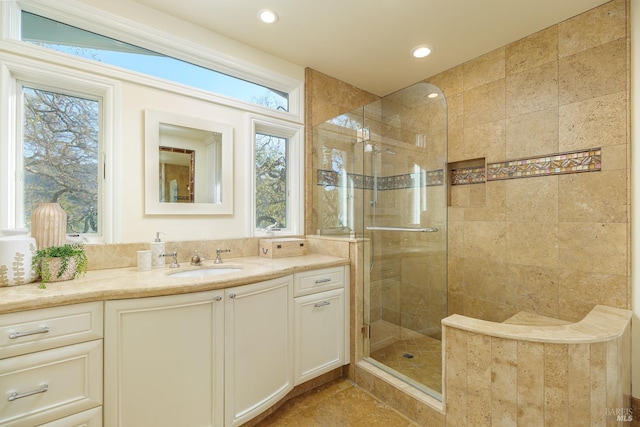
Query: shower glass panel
x=380, y=173
x=338, y=176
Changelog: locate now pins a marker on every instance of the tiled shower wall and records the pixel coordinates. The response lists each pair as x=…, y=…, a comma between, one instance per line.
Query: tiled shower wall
x=554, y=245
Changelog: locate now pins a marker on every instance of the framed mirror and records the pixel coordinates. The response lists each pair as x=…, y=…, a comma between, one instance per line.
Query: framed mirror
x=188, y=165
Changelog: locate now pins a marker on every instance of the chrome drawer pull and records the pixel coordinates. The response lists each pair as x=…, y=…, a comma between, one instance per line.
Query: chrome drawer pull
x=16, y=396
x=321, y=304
x=322, y=281
x=15, y=335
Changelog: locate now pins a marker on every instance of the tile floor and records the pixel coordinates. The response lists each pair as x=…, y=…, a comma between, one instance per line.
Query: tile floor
x=339, y=403
x=419, y=357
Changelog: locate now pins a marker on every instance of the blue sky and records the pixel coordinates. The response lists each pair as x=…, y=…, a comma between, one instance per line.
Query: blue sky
x=79, y=42
x=174, y=70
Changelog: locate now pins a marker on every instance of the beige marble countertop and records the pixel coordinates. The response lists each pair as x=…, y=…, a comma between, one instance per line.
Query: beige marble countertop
x=120, y=283
x=603, y=323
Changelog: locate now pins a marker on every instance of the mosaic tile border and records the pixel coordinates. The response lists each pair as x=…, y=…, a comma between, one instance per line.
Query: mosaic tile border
x=329, y=178
x=556, y=164
x=470, y=175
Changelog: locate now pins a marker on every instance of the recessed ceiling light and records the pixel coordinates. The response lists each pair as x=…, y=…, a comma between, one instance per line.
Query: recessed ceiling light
x=432, y=95
x=421, y=51
x=268, y=16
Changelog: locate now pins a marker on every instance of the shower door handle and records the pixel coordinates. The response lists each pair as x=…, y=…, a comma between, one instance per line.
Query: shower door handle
x=411, y=229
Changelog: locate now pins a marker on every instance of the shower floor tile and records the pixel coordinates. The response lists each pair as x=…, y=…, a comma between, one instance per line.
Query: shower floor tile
x=418, y=357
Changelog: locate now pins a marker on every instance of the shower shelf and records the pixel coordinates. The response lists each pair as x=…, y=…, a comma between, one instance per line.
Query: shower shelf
x=411, y=229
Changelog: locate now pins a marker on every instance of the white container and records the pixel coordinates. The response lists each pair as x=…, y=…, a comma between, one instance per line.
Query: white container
x=16, y=254
x=144, y=260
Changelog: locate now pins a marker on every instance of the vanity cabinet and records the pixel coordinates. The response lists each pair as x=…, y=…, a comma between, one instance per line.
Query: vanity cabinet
x=164, y=360
x=202, y=359
x=212, y=358
x=51, y=366
x=321, y=322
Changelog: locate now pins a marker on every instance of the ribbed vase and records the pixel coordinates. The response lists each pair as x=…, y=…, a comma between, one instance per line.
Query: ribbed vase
x=49, y=225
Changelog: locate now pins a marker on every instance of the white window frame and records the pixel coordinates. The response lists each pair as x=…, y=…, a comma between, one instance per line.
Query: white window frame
x=295, y=174
x=89, y=18
x=16, y=71
x=18, y=58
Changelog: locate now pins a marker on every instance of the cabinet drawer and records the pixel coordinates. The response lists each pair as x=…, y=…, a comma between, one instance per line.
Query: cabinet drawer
x=309, y=282
x=40, y=387
x=29, y=331
x=90, y=418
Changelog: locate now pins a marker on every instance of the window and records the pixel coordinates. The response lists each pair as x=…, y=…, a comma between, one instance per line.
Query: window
x=57, y=144
x=271, y=181
x=277, y=178
x=60, y=156
x=68, y=39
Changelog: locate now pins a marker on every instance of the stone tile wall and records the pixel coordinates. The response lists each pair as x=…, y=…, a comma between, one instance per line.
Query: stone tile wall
x=492, y=381
x=554, y=245
x=124, y=255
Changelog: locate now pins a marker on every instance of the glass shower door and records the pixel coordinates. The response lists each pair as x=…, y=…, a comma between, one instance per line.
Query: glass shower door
x=379, y=174
x=405, y=220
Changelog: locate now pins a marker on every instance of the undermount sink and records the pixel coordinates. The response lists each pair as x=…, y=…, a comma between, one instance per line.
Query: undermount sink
x=206, y=272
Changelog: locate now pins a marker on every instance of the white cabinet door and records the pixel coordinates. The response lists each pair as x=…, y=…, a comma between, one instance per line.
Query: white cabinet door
x=164, y=361
x=258, y=347
x=319, y=334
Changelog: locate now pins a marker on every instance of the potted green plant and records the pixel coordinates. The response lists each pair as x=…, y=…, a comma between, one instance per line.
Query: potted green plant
x=58, y=263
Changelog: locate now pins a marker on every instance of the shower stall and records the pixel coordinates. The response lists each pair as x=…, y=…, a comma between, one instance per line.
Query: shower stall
x=380, y=173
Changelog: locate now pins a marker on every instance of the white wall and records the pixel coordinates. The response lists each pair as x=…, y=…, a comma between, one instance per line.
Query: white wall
x=635, y=198
x=136, y=96
x=135, y=225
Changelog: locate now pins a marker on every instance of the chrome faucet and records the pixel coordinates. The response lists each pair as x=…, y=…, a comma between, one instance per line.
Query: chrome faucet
x=195, y=259
x=218, y=259
x=174, y=261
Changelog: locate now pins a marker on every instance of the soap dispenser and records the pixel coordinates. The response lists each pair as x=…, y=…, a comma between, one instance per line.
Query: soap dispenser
x=157, y=250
